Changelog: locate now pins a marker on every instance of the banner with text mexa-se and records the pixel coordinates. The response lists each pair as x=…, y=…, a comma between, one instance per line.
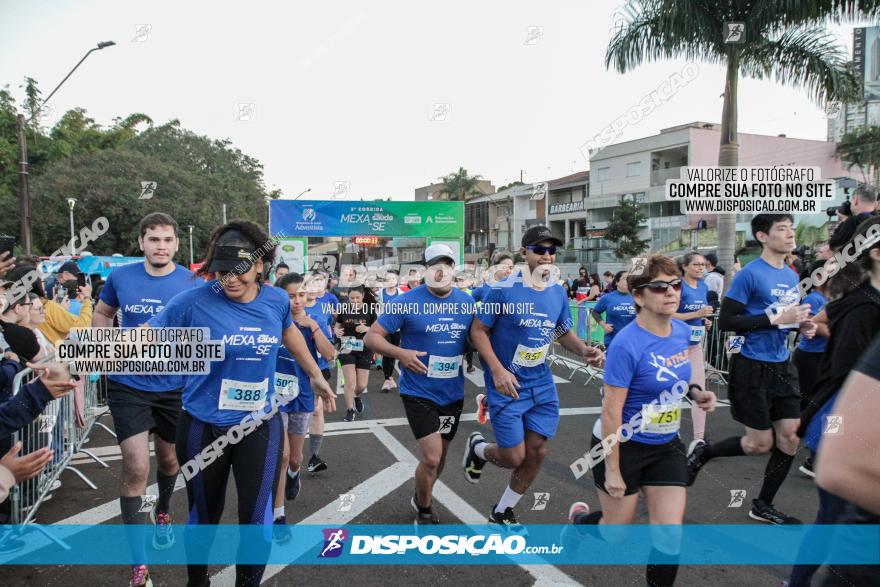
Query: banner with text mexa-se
x=331, y=218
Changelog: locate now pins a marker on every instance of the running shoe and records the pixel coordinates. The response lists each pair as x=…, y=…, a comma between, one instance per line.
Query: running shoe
x=393, y=383
x=576, y=509
x=163, y=535
x=482, y=408
x=140, y=577
x=359, y=404
x=473, y=465
x=316, y=464
x=695, y=460
x=423, y=517
x=471, y=369
x=281, y=531
x=807, y=468
x=387, y=386
x=506, y=520
x=350, y=415
x=291, y=490
x=765, y=512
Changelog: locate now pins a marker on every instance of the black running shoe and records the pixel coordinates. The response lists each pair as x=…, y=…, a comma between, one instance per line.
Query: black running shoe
x=765, y=512
x=359, y=405
x=695, y=459
x=506, y=520
x=472, y=464
x=350, y=415
x=316, y=464
x=807, y=468
x=281, y=531
x=294, y=484
x=423, y=517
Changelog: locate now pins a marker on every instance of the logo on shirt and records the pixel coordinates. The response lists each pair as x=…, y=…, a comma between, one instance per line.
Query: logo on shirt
x=663, y=364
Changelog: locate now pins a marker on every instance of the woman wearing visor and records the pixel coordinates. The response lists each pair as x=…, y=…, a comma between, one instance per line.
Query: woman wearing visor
x=253, y=320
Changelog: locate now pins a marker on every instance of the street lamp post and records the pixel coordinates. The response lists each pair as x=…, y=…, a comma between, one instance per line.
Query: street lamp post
x=190, y=227
x=305, y=191
x=24, y=196
x=71, y=202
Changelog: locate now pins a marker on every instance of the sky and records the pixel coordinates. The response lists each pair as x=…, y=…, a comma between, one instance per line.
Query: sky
x=378, y=97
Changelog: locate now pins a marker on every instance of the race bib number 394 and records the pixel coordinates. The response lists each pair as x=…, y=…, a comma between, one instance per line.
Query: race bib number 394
x=243, y=395
x=443, y=367
x=529, y=356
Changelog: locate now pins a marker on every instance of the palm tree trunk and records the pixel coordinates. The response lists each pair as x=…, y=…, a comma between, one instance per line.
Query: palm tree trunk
x=728, y=156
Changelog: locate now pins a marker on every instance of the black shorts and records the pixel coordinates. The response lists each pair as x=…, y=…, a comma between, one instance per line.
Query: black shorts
x=360, y=359
x=326, y=374
x=761, y=393
x=425, y=417
x=647, y=464
x=135, y=411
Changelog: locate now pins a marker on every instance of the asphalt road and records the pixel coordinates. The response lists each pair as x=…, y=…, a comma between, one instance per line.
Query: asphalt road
x=371, y=458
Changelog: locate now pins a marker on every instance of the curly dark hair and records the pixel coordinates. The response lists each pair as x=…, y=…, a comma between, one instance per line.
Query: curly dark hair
x=264, y=247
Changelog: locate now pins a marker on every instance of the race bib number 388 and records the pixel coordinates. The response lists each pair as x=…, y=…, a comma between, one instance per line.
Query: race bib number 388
x=243, y=395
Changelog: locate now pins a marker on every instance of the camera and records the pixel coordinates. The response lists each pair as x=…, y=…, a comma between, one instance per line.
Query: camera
x=844, y=209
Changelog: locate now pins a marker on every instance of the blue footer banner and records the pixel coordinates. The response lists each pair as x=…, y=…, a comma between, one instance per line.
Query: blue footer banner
x=720, y=544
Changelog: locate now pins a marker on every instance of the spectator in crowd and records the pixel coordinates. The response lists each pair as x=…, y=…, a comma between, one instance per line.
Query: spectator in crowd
x=281, y=270
x=609, y=282
x=568, y=293
x=58, y=321
x=823, y=251
x=864, y=205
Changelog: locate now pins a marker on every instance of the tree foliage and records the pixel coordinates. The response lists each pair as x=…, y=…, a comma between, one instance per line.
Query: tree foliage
x=861, y=148
x=460, y=185
x=623, y=230
x=103, y=169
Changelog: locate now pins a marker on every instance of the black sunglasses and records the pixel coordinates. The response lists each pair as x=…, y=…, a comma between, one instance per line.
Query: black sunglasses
x=662, y=286
x=542, y=250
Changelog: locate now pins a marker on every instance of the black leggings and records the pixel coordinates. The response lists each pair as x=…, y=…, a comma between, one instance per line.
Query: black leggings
x=807, y=365
x=388, y=362
x=254, y=462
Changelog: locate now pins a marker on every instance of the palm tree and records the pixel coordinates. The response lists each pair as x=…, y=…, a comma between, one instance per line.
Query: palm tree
x=783, y=39
x=861, y=148
x=460, y=185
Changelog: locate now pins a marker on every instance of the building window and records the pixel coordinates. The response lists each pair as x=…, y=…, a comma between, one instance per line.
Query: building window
x=603, y=173
x=634, y=169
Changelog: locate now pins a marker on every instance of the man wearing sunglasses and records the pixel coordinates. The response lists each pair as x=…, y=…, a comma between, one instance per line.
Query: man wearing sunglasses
x=763, y=391
x=515, y=326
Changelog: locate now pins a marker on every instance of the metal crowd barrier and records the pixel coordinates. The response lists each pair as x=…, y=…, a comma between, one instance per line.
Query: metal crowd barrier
x=587, y=329
x=64, y=426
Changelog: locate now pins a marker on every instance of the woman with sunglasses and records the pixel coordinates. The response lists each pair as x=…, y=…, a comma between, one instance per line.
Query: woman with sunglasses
x=694, y=309
x=617, y=306
x=253, y=319
x=647, y=373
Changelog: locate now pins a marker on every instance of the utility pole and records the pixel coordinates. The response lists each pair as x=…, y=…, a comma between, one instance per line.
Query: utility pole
x=24, y=206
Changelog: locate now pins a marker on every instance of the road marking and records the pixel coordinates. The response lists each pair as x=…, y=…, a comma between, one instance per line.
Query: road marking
x=368, y=493
x=543, y=574
x=478, y=378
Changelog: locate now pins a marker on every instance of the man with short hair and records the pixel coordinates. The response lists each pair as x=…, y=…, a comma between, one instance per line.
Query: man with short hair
x=763, y=390
x=863, y=206
x=513, y=346
x=433, y=322
x=141, y=404
x=281, y=270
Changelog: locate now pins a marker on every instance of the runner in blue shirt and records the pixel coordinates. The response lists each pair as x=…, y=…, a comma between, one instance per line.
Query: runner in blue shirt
x=253, y=320
x=515, y=326
x=646, y=376
x=320, y=305
x=386, y=296
x=807, y=358
x=433, y=321
x=695, y=310
x=617, y=306
x=144, y=404
x=502, y=261
x=762, y=305
x=292, y=383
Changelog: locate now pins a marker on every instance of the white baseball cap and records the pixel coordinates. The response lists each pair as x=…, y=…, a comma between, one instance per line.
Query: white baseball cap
x=438, y=251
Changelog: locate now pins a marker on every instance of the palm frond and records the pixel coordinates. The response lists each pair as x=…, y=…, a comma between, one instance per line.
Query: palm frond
x=666, y=29
x=807, y=57
x=784, y=14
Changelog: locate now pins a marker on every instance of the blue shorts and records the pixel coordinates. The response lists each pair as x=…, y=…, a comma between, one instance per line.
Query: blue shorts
x=537, y=409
